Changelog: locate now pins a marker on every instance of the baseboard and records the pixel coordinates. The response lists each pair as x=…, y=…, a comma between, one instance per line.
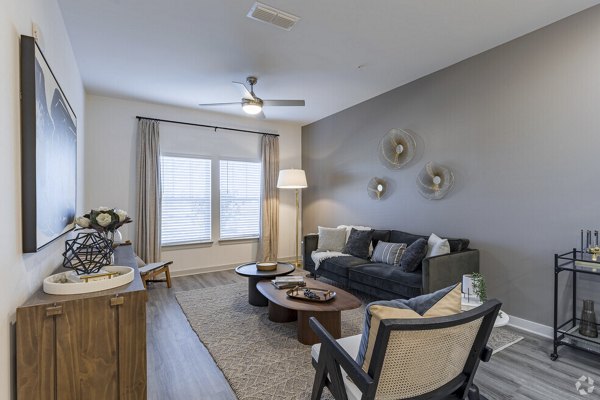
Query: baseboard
x=214, y=268
x=202, y=270
x=531, y=327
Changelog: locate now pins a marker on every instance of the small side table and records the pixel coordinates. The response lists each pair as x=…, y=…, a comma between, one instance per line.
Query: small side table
x=467, y=304
x=254, y=276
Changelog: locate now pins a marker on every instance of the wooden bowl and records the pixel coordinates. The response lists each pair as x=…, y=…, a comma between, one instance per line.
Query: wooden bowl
x=266, y=266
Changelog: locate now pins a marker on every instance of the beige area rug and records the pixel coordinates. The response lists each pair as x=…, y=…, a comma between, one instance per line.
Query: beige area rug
x=262, y=359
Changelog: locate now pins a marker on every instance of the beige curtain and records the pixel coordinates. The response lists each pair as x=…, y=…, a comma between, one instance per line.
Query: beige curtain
x=147, y=222
x=269, y=230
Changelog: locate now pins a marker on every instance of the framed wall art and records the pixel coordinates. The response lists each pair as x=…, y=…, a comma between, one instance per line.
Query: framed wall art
x=48, y=152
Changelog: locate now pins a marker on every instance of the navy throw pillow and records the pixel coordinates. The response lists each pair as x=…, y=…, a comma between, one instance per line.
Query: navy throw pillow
x=413, y=255
x=358, y=243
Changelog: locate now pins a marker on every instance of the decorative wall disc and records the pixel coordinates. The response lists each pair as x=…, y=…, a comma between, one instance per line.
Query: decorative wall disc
x=397, y=148
x=434, y=181
x=376, y=188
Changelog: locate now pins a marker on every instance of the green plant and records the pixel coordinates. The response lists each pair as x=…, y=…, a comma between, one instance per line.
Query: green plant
x=479, y=286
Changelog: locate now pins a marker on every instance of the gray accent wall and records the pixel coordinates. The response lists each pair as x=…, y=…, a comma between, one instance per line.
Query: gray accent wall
x=520, y=127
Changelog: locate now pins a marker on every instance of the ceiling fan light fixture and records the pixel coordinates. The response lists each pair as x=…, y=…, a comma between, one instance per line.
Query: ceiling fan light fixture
x=252, y=107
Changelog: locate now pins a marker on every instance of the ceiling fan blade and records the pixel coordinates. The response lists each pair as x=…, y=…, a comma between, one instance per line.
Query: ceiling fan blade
x=245, y=92
x=280, y=103
x=219, y=104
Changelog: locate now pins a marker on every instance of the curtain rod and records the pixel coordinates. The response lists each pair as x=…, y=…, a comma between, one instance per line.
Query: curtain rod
x=208, y=126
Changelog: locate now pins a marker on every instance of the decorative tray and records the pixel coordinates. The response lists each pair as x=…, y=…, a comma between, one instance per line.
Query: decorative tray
x=311, y=294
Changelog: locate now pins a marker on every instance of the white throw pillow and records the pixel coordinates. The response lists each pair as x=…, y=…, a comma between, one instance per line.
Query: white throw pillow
x=331, y=239
x=436, y=246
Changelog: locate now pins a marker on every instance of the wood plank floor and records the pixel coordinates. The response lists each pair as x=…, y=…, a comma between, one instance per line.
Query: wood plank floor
x=180, y=367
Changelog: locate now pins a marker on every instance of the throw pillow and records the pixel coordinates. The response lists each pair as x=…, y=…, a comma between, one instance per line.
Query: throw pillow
x=444, y=302
x=349, y=228
x=436, y=246
x=331, y=239
x=388, y=253
x=358, y=243
x=413, y=255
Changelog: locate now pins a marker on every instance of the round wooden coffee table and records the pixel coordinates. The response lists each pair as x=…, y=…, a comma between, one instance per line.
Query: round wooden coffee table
x=254, y=276
x=285, y=309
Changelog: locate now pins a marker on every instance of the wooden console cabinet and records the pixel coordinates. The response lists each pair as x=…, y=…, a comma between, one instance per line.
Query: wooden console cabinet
x=84, y=347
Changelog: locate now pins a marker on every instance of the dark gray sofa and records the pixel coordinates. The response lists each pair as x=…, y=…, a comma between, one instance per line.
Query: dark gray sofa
x=389, y=282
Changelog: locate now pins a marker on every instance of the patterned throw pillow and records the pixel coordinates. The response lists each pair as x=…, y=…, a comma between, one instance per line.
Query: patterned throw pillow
x=388, y=253
x=331, y=239
x=442, y=303
x=358, y=243
x=413, y=255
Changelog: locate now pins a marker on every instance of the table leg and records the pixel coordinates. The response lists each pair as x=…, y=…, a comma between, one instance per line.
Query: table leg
x=281, y=314
x=255, y=297
x=331, y=320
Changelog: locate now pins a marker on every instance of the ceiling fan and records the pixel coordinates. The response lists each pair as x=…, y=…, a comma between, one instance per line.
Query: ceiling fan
x=252, y=104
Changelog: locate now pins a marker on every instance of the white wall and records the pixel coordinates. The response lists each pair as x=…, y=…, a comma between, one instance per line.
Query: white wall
x=23, y=273
x=110, y=169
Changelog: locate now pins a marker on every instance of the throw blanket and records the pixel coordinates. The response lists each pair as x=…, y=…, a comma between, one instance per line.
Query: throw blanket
x=318, y=257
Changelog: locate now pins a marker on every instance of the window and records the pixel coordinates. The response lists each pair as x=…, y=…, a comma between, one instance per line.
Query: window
x=240, y=199
x=186, y=200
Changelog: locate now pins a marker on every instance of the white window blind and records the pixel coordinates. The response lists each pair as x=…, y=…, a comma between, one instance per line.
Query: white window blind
x=240, y=199
x=186, y=200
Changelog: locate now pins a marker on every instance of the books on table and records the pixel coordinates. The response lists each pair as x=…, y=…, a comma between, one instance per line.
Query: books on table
x=288, y=281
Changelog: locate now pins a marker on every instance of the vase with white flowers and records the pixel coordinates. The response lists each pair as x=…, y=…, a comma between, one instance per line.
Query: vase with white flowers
x=105, y=221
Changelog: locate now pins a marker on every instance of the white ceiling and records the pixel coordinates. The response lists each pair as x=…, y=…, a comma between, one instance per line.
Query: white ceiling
x=184, y=52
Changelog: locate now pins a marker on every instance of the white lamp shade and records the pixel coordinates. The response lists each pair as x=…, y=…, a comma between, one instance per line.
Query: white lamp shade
x=291, y=179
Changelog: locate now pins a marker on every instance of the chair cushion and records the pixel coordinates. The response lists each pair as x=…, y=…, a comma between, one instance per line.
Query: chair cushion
x=351, y=345
x=341, y=265
x=358, y=243
x=331, y=239
x=388, y=253
x=413, y=255
x=441, y=303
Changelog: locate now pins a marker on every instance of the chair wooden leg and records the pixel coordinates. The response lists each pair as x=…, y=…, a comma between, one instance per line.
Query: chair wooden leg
x=168, y=275
x=320, y=380
x=474, y=393
x=144, y=282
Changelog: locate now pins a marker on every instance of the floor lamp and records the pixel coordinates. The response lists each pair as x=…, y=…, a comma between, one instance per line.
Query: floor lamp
x=293, y=179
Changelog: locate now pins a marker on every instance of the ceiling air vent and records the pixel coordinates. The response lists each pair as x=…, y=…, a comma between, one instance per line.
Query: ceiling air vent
x=264, y=13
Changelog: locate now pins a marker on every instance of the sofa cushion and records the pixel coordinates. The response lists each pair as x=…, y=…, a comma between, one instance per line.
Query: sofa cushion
x=414, y=255
x=458, y=244
x=404, y=237
x=341, y=265
x=386, y=277
x=331, y=239
x=358, y=243
x=409, y=238
x=388, y=253
x=379, y=234
x=444, y=302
